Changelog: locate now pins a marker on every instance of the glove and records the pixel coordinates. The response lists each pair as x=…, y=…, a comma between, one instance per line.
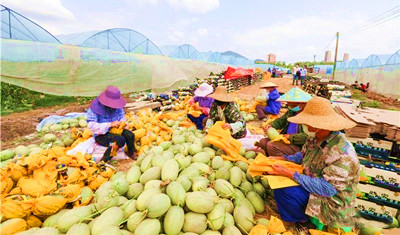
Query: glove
x=205, y=110
x=191, y=101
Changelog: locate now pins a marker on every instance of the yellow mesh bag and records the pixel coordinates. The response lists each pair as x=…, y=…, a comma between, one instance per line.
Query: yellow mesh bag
x=10, y=209
x=13, y=226
x=16, y=171
x=33, y=221
x=97, y=181
x=36, y=188
x=222, y=138
x=70, y=192
x=47, y=205
x=6, y=185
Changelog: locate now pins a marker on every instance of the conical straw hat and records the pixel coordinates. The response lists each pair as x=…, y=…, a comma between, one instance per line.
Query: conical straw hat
x=295, y=95
x=268, y=84
x=319, y=113
x=221, y=94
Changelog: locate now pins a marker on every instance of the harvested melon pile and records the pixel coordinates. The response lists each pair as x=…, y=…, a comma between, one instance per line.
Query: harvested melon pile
x=249, y=116
x=42, y=184
x=152, y=128
x=49, y=141
x=246, y=106
x=181, y=185
x=65, y=124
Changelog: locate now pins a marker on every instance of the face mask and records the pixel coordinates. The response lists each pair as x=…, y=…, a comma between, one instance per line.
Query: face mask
x=309, y=133
x=109, y=109
x=295, y=109
x=219, y=103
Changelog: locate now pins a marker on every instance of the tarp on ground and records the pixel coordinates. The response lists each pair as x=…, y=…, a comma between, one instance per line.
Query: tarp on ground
x=234, y=73
x=69, y=70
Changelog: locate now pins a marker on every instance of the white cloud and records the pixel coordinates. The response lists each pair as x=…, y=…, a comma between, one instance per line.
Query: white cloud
x=195, y=6
x=186, y=22
x=193, y=40
x=143, y=2
x=202, y=32
x=55, y=18
x=176, y=35
x=46, y=9
x=300, y=38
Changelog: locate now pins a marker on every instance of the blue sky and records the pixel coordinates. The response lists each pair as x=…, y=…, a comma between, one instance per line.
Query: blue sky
x=293, y=30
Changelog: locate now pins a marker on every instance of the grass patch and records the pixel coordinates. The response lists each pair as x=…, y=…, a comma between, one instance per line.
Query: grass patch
x=52, y=100
x=374, y=104
x=358, y=95
x=16, y=99
x=4, y=112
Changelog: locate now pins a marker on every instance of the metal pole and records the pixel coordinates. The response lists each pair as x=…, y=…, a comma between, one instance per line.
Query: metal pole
x=9, y=22
x=314, y=57
x=336, y=50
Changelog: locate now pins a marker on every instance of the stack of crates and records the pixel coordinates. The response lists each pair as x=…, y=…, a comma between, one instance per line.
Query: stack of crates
x=230, y=85
x=377, y=195
x=222, y=82
x=243, y=82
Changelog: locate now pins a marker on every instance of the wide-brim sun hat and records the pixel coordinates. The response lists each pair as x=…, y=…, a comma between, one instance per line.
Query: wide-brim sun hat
x=112, y=98
x=295, y=95
x=319, y=113
x=203, y=90
x=267, y=85
x=221, y=94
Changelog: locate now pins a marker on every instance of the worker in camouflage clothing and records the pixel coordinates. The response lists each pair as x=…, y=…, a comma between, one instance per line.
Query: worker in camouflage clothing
x=327, y=190
x=224, y=109
x=296, y=99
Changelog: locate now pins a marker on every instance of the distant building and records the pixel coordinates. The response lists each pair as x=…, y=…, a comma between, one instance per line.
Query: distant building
x=328, y=56
x=271, y=58
x=346, y=57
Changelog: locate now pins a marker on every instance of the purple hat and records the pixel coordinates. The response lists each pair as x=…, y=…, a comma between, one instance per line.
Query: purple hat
x=100, y=109
x=112, y=98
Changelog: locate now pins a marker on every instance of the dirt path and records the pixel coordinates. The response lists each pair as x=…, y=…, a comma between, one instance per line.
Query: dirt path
x=250, y=92
x=17, y=125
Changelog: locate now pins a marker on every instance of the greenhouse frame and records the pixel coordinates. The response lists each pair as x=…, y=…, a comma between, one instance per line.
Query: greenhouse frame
x=116, y=39
x=16, y=26
x=382, y=72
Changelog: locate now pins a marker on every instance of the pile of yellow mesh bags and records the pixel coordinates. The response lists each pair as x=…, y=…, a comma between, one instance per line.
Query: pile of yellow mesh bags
x=39, y=185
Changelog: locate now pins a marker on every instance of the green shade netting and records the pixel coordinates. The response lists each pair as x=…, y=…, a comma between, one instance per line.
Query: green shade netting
x=76, y=71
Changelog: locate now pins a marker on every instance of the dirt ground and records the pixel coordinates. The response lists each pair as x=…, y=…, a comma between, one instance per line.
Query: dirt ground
x=250, y=92
x=18, y=125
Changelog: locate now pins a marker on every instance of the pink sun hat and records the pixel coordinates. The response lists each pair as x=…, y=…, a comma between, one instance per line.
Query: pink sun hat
x=203, y=90
x=112, y=98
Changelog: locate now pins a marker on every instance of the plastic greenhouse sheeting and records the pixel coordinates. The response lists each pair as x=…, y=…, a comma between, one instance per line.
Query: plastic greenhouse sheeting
x=16, y=26
x=116, y=39
x=185, y=51
x=375, y=60
x=69, y=70
x=394, y=59
x=381, y=71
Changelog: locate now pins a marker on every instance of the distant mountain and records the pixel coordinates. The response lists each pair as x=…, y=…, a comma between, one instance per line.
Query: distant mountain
x=231, y=53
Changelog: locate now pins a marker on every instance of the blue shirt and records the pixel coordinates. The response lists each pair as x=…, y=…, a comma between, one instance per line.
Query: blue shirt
x=313, y=185
x=273, y=106
x=116, y=115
